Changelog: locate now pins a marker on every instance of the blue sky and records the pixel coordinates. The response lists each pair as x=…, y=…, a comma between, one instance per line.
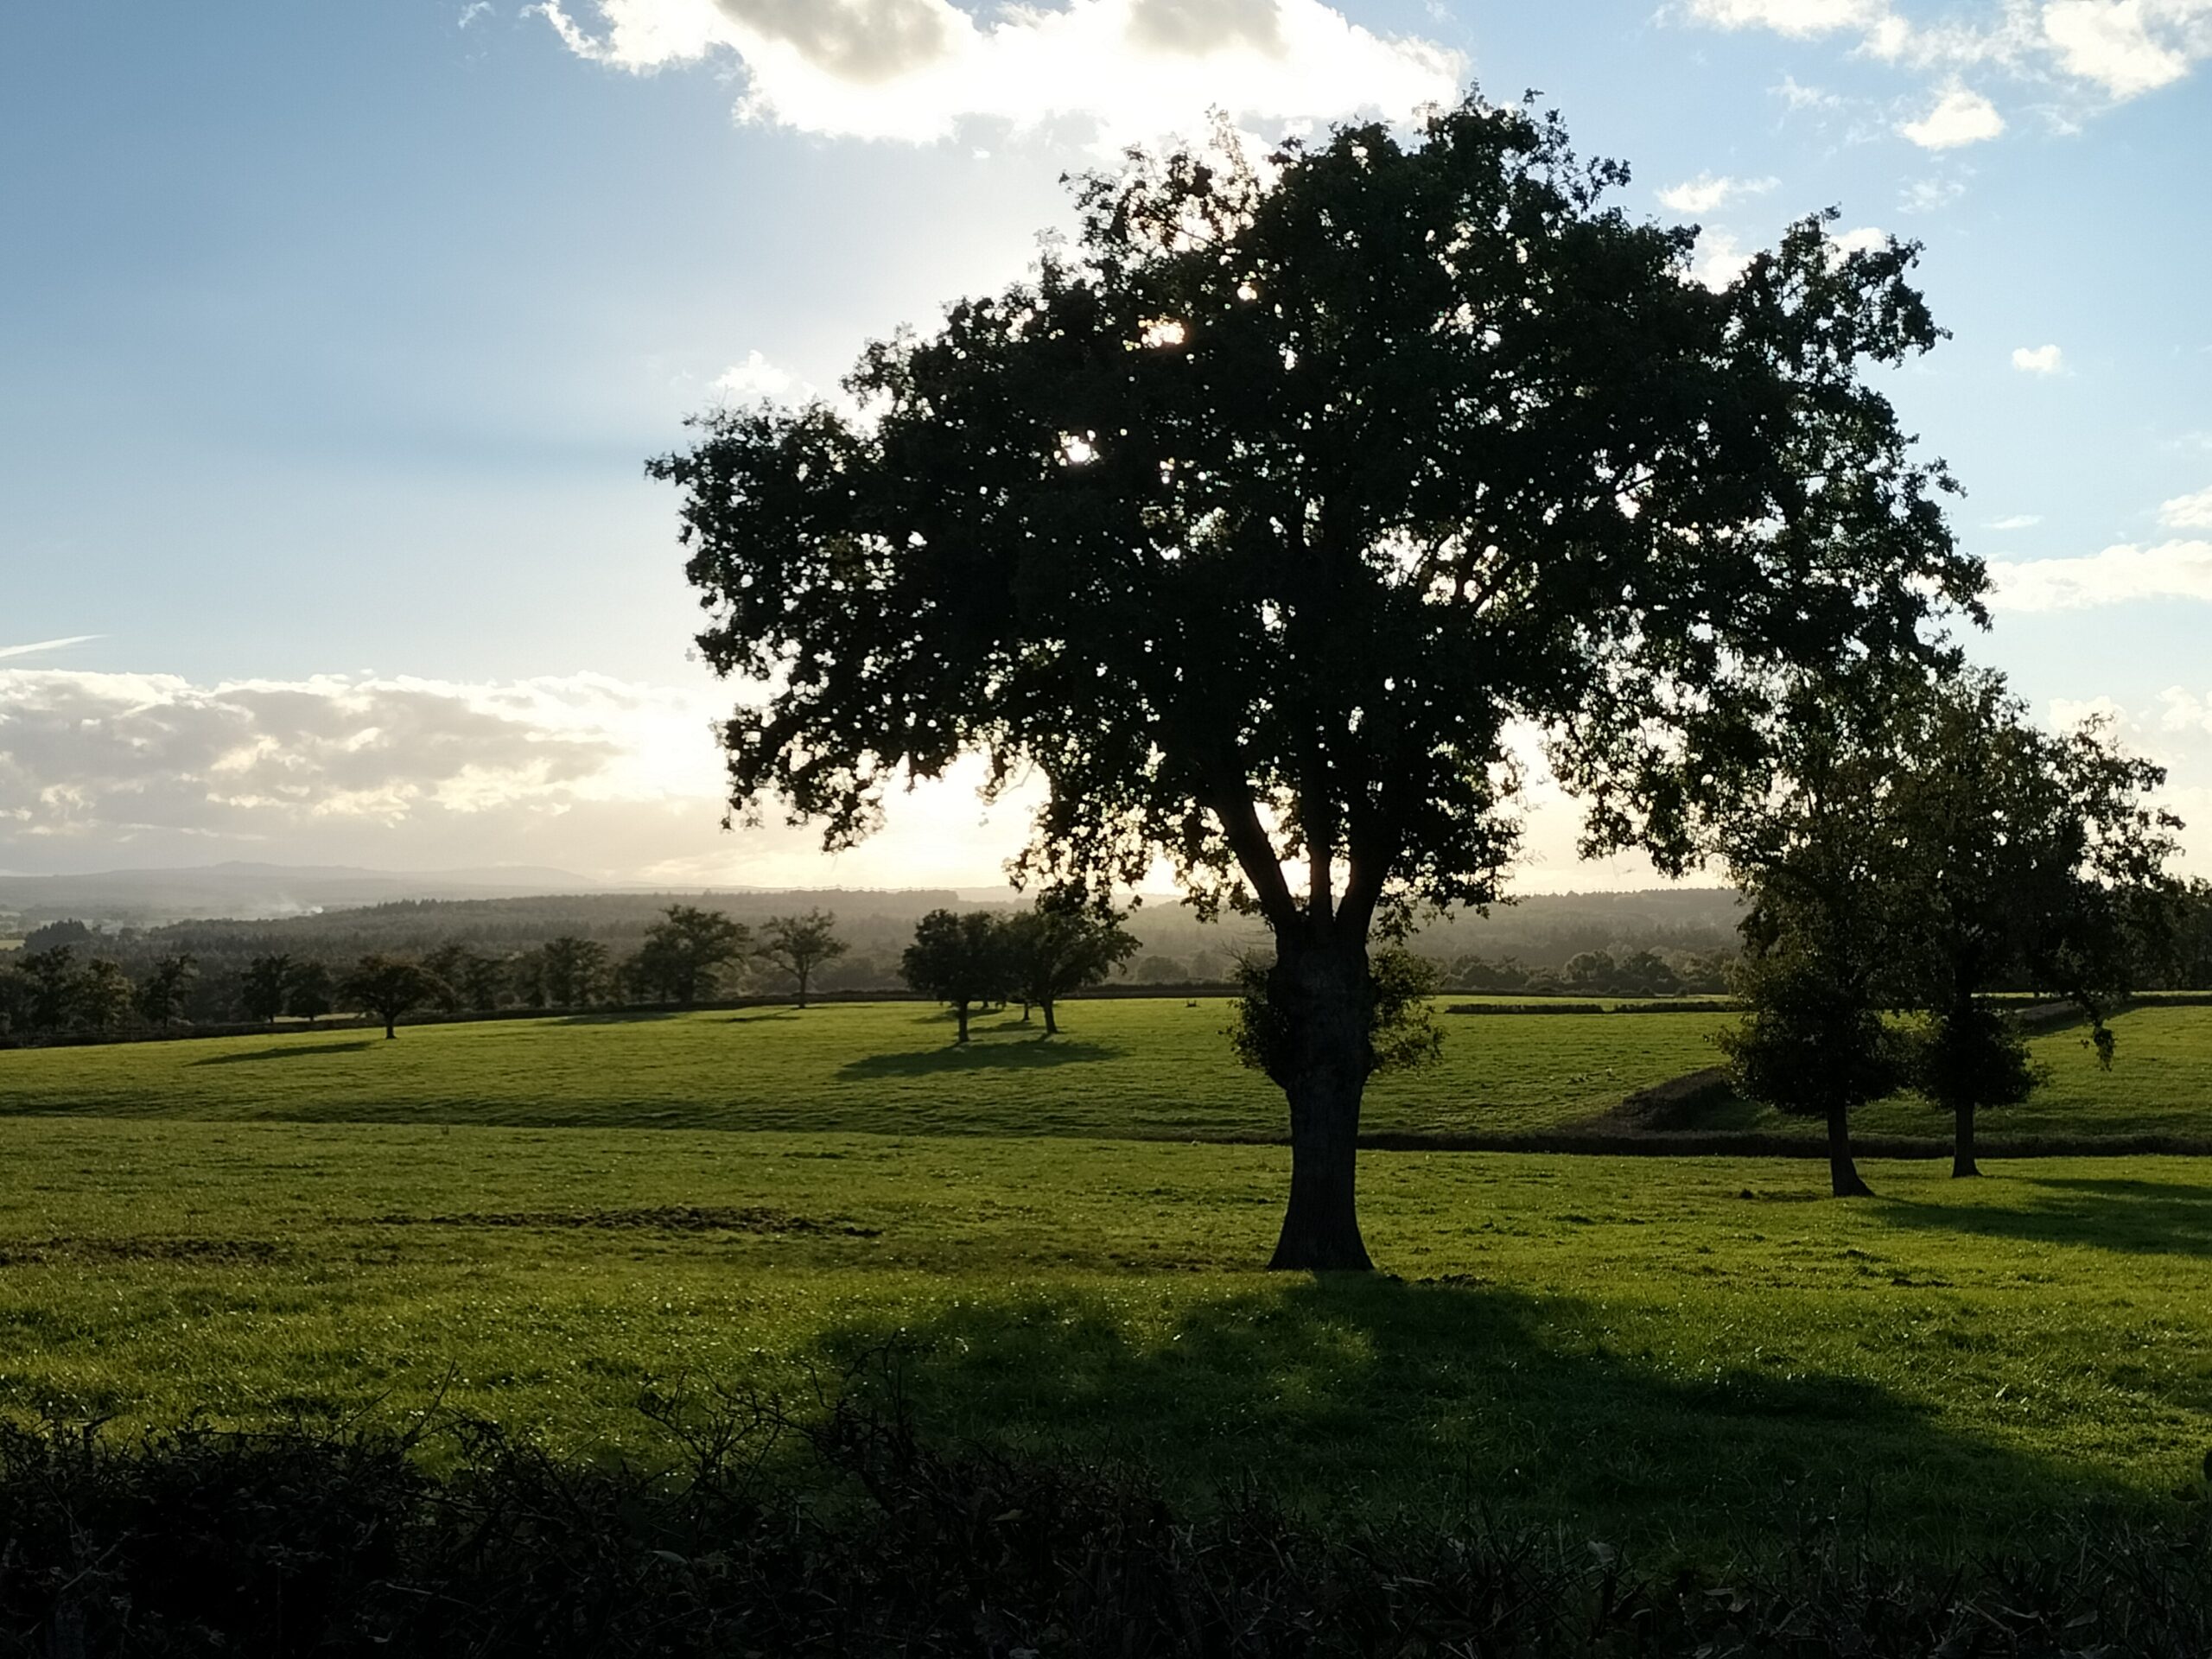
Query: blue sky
x=331, y=340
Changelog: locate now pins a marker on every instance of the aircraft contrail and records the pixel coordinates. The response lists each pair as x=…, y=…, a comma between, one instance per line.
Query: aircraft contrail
x=47, y=644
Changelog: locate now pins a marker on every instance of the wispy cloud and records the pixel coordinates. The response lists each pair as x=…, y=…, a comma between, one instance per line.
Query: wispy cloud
x=48, y=644
x=2093, y=53
x=2015, y=521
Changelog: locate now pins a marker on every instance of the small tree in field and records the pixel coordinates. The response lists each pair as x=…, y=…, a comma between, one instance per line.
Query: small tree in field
x=1259, y=520
x=389, y=987
x=105, y=997
x=47, y=992
x=572, y=970
x=1059, y=946
x=160, y=997
x=1830, y=884
x=263, y=988
x=958, y=959
x=800, y=945
x=2030, y=860
x=684, y=953
x=313, y=991
x=1928, y=847
x=1810, y=1045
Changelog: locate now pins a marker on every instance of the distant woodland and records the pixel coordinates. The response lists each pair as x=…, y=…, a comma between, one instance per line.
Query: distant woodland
x=1648, y=943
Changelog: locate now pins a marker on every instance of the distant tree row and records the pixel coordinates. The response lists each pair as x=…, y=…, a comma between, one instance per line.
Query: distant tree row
x=689, y=955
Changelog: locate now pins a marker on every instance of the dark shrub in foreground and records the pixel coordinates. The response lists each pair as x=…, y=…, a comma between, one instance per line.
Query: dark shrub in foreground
x=200, y=1543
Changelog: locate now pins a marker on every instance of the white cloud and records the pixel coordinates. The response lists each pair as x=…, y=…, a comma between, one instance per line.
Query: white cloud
x=2187, y=511
x=2038, y=359
x=2127, y=46
x=756, y=377
x=1863, y=238
x=1720, y=260
x=2015, y=521
x=914, y=69
x=1961, y=116
x=472, y=11
x=1706, y=192
x=2175, y=570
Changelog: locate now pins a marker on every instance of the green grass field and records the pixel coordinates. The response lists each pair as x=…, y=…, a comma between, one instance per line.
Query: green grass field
x=1694, y=1355
x=1143, y=1068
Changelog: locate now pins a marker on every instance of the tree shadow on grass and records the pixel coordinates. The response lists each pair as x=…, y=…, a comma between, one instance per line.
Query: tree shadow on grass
x=616, y=1016
x=2131, y=1216
x=977, y=1057
x=285, y=1052
x=1374, y=1398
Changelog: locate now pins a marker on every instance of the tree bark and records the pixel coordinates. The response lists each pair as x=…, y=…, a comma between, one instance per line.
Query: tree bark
x=390, y=1021
x=1843, y=1173
x=960, y=1013
x=1319, y=997
x=1051, y=1025
x=1962, y=1162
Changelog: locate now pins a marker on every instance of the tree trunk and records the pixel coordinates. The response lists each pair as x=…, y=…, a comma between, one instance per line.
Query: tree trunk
x=390, y=1024
x=1318, y=996
x=1962, y=1162
x=1843, y=1173
x=1052, y=1027
x=802, y=990
x=960, y=1013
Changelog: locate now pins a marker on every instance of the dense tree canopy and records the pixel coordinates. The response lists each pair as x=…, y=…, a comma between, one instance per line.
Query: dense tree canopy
x=1255, y=521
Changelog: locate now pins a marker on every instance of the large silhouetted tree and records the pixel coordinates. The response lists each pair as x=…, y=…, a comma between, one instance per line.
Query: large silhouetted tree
x=1256, y=519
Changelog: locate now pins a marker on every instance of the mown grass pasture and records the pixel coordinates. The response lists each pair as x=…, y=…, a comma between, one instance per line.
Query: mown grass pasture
x=1698, y=1356
x=1153, y=1067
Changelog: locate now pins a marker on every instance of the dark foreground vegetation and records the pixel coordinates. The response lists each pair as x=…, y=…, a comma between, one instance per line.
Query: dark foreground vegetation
x=871, y=1541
